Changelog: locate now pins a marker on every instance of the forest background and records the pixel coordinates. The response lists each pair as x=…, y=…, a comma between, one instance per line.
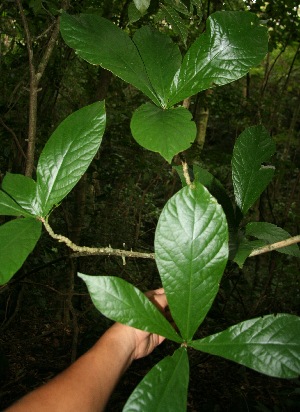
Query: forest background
x=46, y=316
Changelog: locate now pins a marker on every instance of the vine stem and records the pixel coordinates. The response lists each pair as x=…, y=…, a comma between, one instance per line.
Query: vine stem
x=86, y=250
x=274, y=246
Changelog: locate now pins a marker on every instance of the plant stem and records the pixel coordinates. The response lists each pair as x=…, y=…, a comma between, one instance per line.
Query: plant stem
x=274, y=246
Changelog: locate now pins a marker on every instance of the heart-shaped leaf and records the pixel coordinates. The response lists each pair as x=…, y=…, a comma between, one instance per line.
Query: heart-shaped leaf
x=161, y=58
x=68, y=153
x=167, y=132
x=17, y=239
x=250, y=178
x=101, y=42
x=122, y=302
x=191, y=249
x=164, y=388
x=270, y=345
x=23, y=190
x=232, y=44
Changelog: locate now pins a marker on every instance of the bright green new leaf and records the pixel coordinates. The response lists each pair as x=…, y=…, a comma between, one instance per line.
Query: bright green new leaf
x=167, y=132
x=122, y=302
x=101, y=42
x=270, y=345
x=272, y=234
x=232, y=44
x=164, y=388
x=191, y=249
x=17, y=239
x=23, y=190
x=68, y=153
x=142, y=5
x=161, y=58
x=9, y=207
x=250, y=177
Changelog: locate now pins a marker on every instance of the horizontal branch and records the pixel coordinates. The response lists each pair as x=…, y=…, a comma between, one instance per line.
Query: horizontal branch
x=87, y=251
x=274, y=246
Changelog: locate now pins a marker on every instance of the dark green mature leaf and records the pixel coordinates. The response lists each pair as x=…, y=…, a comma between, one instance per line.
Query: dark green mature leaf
x=167, y=132
x=9, y=207
x=173, y=18
x=164, y=388
x=17, y=239
x=191, y=249
x=245, y=247
x=250, y=178
x=101, y=42
x=270, y=345
x=68, y=153
x=232, y=44
x=23, y=190
x=122, y=302
x=272, y=234
x=161, y=57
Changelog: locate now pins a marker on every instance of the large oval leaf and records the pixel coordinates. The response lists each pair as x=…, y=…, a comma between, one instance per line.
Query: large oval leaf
x=101, y=42
x=164, y=388
x=232, y=44
x=167, y=132
x=23, y=190
x=191, y=249
x=250, y=178
x=17, y=239
x=161, y=58
x=9, y=207
x=270, y=345
x=122, y=302
x=68, y=153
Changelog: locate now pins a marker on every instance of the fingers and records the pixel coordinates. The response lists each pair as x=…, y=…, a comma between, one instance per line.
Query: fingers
x=158, y=298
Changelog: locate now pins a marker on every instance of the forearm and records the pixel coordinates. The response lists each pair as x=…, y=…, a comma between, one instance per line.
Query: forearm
x=87, y=384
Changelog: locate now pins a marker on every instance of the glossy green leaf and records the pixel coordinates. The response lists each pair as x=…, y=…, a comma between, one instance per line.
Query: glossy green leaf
x=23, y=190
x=17, y=239
x=9, y=207
x=161, y=58
x=142, y=5
x=122, y=302
x=101, y=42
x=250, y=177
x=270, y=345
x=68, y=153
x=164, y=388
x=191, y=249
x=272, y=234
x=167, y=132
x=232, y=43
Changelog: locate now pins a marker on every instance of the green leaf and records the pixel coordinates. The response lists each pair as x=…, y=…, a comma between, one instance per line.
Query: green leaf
x=164, y=388
x=133, y=13
x=272, y=234
x=142, y=5
x=245, y=247
x=23, y=190
x=191, y=249
x=17, y=239
x=9, y=207
x=232, y=44
x=173, y=18
x=161, y=57
x=270, y=345
x=122, y=302
x=101, y=42
x=167, y=132
x=68, y=153
x=250, y=178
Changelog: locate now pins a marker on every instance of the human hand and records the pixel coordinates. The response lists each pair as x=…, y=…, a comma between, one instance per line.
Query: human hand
x=143, y=343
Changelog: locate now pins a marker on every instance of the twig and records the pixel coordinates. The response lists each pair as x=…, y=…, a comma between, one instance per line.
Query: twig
x=14, y=137
x=186, y=175
x=274, y=246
